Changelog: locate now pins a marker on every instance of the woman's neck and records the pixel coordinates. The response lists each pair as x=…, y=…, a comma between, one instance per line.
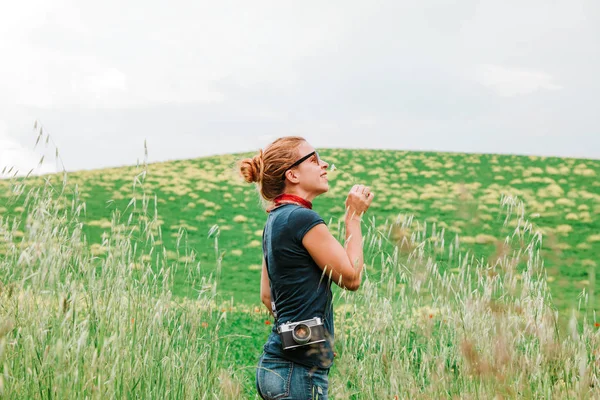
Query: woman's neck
x=301, y=193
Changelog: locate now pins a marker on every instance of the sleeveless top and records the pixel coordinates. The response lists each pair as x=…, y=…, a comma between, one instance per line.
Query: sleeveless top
x=298, y=287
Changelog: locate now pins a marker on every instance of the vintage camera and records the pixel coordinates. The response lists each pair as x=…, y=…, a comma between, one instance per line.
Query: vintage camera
x=302, y=333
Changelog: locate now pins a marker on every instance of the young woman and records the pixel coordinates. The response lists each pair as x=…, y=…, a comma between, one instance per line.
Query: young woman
x=301, y=259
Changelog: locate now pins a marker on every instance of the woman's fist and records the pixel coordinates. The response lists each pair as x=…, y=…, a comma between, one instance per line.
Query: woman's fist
x=358, y=201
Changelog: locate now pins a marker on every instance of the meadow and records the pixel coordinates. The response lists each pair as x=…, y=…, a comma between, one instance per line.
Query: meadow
x=144, y=281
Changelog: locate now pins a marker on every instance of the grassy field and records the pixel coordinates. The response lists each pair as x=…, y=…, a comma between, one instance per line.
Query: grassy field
x=458, y=193
x=143, y=281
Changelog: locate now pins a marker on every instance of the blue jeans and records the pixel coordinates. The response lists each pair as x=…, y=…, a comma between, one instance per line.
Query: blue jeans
x=280, y=379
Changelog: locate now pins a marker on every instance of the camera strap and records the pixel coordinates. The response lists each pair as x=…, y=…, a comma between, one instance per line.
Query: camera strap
x=273, y=308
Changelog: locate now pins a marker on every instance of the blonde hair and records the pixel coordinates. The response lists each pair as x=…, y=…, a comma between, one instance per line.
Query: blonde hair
x=267, y=167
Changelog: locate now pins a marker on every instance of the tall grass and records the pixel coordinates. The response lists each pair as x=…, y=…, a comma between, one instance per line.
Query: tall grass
x=75, y=325
x=478, y=330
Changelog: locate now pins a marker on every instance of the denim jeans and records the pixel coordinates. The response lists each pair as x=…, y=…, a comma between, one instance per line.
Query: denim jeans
x=280, y=379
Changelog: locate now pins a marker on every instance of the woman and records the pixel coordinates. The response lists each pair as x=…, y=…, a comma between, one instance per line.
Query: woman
x=301, y=259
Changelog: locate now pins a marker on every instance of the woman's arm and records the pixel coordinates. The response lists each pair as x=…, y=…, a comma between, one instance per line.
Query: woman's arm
x=343, y=265
x=265, y=287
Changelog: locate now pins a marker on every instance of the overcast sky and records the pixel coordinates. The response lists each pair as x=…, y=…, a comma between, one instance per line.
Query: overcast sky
x=196, y=78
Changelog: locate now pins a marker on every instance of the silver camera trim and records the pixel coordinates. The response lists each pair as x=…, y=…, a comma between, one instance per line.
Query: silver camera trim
x=290, y=325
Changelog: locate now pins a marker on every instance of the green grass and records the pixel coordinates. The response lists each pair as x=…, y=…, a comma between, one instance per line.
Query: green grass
x=135, y=299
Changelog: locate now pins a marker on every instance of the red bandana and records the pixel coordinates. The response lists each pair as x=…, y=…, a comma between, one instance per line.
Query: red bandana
x=290, y=199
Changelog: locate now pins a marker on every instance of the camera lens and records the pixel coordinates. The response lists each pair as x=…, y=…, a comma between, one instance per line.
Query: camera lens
x=301, y=333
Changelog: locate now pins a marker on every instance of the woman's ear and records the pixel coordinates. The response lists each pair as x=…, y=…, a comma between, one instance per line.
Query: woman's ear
x=291, y=176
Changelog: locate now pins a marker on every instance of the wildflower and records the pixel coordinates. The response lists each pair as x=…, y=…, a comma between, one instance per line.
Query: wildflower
x=597, y=324
x=240, y=218
x=267, y=322
x=205, y=324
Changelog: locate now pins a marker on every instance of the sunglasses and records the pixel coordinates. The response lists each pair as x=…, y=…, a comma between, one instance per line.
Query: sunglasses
x=300, y=161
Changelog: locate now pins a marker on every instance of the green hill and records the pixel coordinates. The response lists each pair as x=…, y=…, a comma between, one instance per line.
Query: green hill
x=460, y=194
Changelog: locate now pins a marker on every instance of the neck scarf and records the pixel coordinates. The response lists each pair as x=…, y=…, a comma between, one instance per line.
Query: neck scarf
x=290, y=199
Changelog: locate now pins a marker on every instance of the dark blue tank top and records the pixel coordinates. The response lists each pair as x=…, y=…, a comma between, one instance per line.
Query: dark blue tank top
x=298, y=287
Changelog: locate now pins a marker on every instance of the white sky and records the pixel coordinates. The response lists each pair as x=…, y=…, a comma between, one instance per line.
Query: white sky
x=196, y=78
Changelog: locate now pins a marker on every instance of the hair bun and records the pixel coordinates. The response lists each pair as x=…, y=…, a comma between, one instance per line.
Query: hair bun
x=252, y=168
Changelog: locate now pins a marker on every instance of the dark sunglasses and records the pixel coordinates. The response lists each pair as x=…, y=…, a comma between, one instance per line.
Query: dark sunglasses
x=300, y=161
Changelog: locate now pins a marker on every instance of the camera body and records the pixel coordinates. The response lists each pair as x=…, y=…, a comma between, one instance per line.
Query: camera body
x=301, y=333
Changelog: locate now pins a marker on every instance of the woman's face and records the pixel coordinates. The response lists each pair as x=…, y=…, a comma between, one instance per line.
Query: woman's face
x=312, y=172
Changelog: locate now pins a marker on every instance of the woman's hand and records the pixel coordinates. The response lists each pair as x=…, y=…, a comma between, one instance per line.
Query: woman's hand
x=358, y=201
